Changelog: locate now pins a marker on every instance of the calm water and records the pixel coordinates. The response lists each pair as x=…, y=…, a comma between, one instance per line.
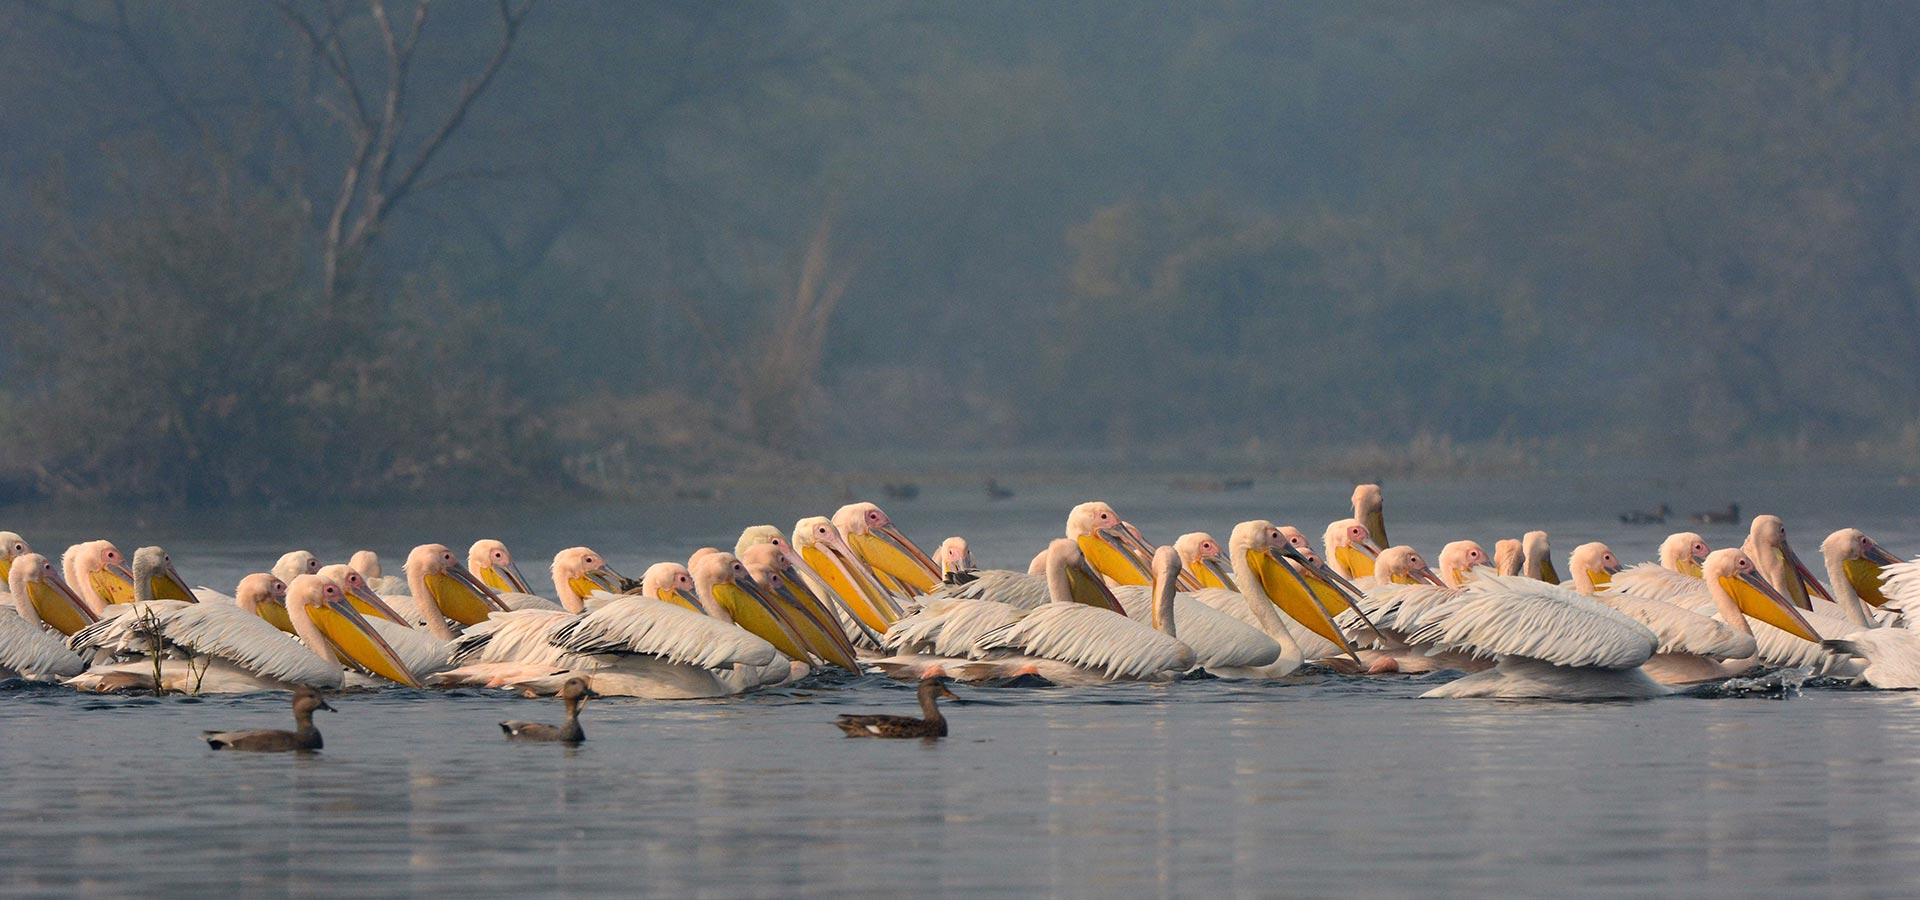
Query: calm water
x=1326, y=786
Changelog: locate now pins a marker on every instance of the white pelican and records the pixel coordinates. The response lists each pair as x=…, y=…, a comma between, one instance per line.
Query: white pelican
x=1107, y=544
x=30, y=645
x=490, y=562
x=765, y=545
x=295, y=563
x=1546, y=641
x=1371, y=512
x=1078, y=637
x=95, y=571
x=367, y=563
x=1507, y=556
x=842, y=573
x=1675, y=576
x=807, y=618
x=1855, y=565
x=1891, y=655
x=640, y=646
x=1695, y=647
x=442, y=589
x=1404, y=589
x=1350, y=548
x=872, y=535
x=1767, y=546
x=217, y=648
x=1536, y=558
x=955, y=559
x=1222, y=644
x=1205, y=560
x=12, y=546
x=1458, y=561
x=1273, y=577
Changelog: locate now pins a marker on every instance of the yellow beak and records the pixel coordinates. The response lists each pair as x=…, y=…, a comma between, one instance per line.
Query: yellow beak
x=1109, y=555
x=275, y=612
x=167, y=584
x=356, y=642
x=505, y=578
x=58, y=606
x=1289, y=591
x=813, y=622
x=1355, y=560
x=1865, y=573
x=369, y=604
x=753, y=610
x=462, y=597
x=113, y=583
x=1758, y=600
x=890, y=552
x=1086, y=586
x=1212, y=572
x=857, y=592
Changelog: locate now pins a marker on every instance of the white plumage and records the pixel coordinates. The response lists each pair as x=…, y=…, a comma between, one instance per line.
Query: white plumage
x=1026, y=591
x=1681, y=630
x=30, y=651
x=1218, y=639
x=1900, y=582
x=647, y=626
x=1650, y=581
x=222, y=633
x=1503, y=615
x=1892, y=656
x=1092, y=638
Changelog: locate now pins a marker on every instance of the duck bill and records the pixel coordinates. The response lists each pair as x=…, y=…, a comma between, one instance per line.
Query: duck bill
x=114, y=583
x=891, y=553
x=59, y=607
x=1759, y=600
x=354, y=639
x=462, y=597
x=1109, y=555
x=1087, y=587
x=168, y=585
x=816, y=624
x=1355, y=559
x=758, y=613
x=369, y=604
x=860, y=597
x=1289, y=590
x=1212, y=571
x=507, y=578
x=1808, y=583
x=1864, y=574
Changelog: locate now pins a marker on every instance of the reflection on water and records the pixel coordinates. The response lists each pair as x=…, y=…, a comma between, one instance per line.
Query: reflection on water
x=1206, y=788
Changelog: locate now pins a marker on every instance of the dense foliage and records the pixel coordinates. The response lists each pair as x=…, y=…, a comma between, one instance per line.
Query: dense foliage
x=670, y=238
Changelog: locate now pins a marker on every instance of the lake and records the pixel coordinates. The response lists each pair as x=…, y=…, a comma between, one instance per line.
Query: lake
x=1322, y=785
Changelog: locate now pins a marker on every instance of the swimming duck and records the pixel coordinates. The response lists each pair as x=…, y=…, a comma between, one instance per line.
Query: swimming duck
x=304, y=737
x=575, y=692
x=933, y=724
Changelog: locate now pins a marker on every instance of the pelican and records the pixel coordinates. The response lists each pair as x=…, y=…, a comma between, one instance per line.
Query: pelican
x=764, y=545
x=1767, y=546
x=1107, y=543
x=955, y=559
x=1369, y=511
x=1507, y=556
x=1271, y=573
x=843, y=574
x=1080, y=636
x=807, y=619
x=1536, y=558
x=640, y=646
x=43, y=610
x=490, y=562
x=1547, y=642
x=95, y=571
x=1403, y=590
x=12, y=547
x=1695, y=647
x=1459, y=559
x=1855, y=565
x=217, y=648
x=898, y=561
x=367, y=563
x=1677, y=574
x=1205, y=561
x=1891, y=655
x=1222, y=644
x=1350, y=548
x=442, y=589
x=295, y=563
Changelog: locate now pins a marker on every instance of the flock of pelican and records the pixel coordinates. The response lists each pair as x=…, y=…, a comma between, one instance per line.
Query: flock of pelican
x=853, y=593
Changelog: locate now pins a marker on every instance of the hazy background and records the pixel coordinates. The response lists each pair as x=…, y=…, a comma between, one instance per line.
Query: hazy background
x=263, y=251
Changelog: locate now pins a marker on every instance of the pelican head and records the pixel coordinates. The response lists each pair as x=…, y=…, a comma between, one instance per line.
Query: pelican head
x=442, y=586
x=670, y=583
x=98, y=574
x=1732, y=573
x=759, y=534
x=490, y=562
x=366, y=562
x=1768, y=548
x=1592, y=566
x=1350, y=547
x=1106, y=543
x=43, y=598
x=258, y=590
x=360, y=593
x=1507, y=556
x=154, y=577
x=872, y=535
x=325, y=618
x=1457, y=561
x=1537, y=558
x=295, y=564
x=852, y=582
x=578, y=573
x=955, y=558
x=1851, y=555
x=1071, y=579
x=1683, y=552
x=12, y=547
x=1403, y=565
x=1269, y=568
x=1205, y=560
x=728, y=591
x=1369, y=511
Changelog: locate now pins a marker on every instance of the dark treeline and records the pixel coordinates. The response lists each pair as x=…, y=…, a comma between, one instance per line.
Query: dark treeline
x=273, y=250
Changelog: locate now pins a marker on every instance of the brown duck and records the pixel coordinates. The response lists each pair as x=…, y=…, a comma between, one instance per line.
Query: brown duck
x=575, y=692
x=933, y=725
x=303, y=737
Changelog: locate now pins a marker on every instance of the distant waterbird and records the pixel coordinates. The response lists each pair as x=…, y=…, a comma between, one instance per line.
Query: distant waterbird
x=575, y=693
x=303, y=738
x=931, y=723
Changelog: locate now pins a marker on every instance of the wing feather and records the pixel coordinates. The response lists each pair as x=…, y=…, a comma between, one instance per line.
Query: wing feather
x=1092, y=638
x=1497, y=616
x=1218, y=639
x=644, y=625
x=34, y=651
